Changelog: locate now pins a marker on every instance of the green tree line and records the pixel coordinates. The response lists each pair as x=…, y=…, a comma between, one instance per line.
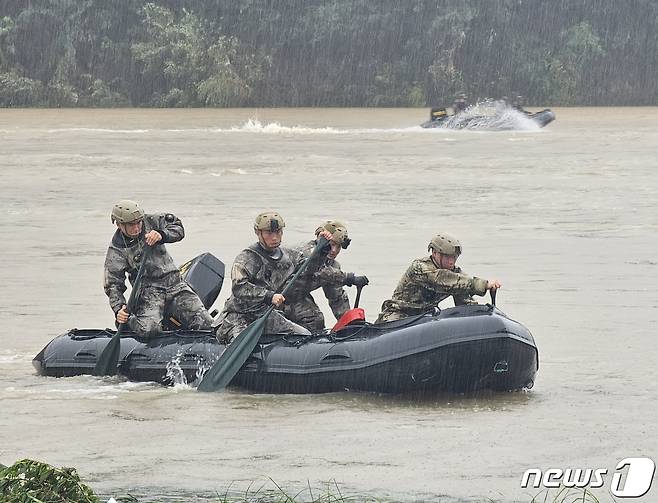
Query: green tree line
x=234, y=53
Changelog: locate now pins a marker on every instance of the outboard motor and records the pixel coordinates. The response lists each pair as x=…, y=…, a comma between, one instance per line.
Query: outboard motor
x=205, y=275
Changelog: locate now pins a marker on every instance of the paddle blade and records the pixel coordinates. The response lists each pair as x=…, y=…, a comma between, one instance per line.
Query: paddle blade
x=233, y=357
x=106, y=365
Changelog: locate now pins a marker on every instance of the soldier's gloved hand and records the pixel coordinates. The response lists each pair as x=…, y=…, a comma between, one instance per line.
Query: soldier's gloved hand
x=326, y=248
x=360, y=281
x=351, y=279
x=122, y=315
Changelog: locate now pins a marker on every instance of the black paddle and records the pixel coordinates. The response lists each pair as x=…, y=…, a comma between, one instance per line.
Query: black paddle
x=236, y=353
x=492, y=292
x=106, y=365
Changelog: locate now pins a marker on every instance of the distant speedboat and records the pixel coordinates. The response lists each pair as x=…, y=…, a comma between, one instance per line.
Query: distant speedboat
x=495, y=120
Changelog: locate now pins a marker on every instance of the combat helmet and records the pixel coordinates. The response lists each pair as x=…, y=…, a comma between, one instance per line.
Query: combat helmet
x=445, y=244
x=338, y=232
x=127, y=211
x=269, y=221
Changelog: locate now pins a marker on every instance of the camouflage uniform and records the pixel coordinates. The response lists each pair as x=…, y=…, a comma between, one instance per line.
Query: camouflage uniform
x=300, y=306
x=162, y=292
x=256, y=276
x=424, y=285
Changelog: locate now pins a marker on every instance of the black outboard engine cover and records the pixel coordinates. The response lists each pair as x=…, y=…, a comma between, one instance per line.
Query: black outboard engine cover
x=205, y=275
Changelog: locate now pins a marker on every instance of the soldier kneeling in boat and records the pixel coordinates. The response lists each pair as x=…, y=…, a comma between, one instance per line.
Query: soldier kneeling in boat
x=301, y=306
x=162, y=291
x=432, y=279
x=258, y=273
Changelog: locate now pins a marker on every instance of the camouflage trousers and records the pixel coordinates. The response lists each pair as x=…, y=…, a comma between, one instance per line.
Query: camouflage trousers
x=156, y=303
x=231, y=324
x=392, y=311
x=305, y=312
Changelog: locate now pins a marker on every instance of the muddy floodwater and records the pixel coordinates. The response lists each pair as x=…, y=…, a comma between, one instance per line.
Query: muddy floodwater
x=566, y=217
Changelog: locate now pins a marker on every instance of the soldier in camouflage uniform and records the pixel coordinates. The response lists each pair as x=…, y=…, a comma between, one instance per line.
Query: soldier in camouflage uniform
x=429, y=280
x=258, y=273
x=162, y=292
x=301, y=307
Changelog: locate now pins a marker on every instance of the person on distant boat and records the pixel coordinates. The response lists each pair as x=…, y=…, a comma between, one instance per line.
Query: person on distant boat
x=517, y=104
x=432, y=279
x=460, y=104
x=301, y=307
x=502, y=105
x=258, y=273
x=163, y=293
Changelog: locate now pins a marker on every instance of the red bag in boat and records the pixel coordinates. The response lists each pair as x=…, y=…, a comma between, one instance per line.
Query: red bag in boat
x=351, y=316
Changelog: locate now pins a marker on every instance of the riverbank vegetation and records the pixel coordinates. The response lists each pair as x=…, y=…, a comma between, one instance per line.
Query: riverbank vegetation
x=29, y=481
x=236, y=53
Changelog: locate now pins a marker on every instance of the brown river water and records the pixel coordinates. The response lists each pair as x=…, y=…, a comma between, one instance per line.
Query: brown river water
x=565, y=217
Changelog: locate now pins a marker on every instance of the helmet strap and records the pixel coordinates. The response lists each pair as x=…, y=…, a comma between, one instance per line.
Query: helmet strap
x=263, y=245
x=433, y=259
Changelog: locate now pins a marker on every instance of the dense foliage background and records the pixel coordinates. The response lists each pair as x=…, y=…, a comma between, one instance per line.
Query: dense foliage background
x=232, y=53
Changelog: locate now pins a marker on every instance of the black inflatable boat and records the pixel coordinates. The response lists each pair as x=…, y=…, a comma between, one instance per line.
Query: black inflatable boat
x=460, y=349
x=495, y=122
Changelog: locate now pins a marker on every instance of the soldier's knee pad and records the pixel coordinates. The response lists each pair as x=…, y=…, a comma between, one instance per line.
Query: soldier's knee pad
x=226, y=331
x=200, y=320
x=146, y=327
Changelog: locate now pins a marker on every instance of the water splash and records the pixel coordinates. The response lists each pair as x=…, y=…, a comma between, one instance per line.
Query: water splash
x=233, y=171
x=255, y=126
x=176, y=373
x=274, y=128
x=491, y=115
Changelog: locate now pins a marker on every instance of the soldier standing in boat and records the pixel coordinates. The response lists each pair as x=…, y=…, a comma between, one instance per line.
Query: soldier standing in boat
x=301, y=306
x=258, y=273
x=432, y=279
x=163, y=293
